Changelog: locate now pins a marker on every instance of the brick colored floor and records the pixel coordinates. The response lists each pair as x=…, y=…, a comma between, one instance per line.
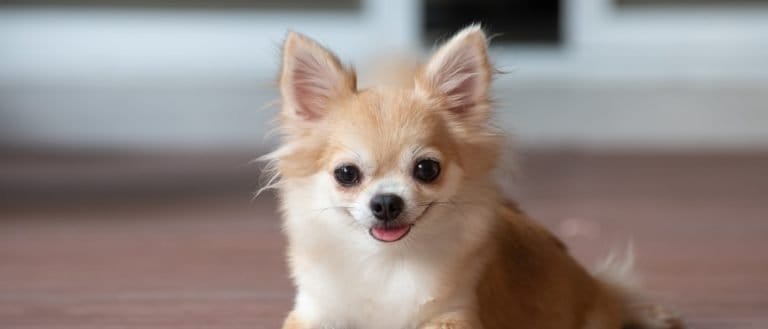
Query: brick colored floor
x=214, y=260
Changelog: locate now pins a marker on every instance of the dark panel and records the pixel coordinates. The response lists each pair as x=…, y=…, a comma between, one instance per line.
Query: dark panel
x=515, y=21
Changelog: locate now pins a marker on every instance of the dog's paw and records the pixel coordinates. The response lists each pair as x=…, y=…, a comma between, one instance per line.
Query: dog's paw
x=292, y=321
x=456, y=320
x=448, y=325
x=654, y=316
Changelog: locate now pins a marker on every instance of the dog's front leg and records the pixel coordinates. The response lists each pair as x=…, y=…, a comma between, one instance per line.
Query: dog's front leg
x=453, y=320
x=292, y=321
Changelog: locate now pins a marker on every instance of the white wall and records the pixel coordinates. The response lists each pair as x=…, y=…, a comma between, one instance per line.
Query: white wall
x=116, y=78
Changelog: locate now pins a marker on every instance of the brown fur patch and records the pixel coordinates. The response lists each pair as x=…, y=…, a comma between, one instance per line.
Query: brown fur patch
x=531, y=282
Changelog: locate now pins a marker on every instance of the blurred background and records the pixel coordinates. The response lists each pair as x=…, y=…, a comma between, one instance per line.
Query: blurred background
x=127, y=130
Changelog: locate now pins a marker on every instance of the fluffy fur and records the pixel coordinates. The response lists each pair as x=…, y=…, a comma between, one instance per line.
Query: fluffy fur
x=471, y=259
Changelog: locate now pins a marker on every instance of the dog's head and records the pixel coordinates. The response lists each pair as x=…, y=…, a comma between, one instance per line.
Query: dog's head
x=385, y=159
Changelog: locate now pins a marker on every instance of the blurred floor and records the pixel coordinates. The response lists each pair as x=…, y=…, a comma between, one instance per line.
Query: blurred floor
x=202, y=255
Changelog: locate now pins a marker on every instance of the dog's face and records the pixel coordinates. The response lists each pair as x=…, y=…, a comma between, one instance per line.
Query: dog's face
x=386, y=159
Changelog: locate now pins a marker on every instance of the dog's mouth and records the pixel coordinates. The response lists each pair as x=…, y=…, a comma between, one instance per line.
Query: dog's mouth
x=390, y=233
x=396, y=232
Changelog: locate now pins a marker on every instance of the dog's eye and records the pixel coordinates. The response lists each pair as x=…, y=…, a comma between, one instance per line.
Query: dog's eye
x=426, y=170
x=347, y=175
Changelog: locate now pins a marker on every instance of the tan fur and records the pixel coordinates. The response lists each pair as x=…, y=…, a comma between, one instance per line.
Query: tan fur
x=532, y=282
x=293, y=322
x=492, y=268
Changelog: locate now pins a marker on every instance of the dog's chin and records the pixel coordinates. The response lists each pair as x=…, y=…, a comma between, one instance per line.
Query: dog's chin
x=393, y=232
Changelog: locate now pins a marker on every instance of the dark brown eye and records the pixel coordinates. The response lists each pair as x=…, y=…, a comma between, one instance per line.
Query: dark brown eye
x=347, y=175
x=426, y=170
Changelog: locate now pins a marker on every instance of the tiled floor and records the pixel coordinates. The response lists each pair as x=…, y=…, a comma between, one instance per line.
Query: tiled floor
x=214, y=260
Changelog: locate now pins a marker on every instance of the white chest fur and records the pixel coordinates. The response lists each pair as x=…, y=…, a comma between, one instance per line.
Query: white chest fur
x=376, y=293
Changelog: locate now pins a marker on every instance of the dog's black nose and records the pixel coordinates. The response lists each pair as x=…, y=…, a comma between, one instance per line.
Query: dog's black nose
x=387, y=207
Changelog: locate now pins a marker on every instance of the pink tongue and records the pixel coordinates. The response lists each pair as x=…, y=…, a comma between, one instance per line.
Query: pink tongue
x=390, y=234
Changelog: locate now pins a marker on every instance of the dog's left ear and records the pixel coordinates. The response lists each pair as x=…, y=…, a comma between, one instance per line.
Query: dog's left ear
x=458, y=76
x=311, y=79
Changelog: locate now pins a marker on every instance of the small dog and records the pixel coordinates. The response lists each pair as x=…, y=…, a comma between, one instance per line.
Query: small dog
x=394, y=219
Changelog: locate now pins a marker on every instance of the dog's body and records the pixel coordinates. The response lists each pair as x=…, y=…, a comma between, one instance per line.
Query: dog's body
x=392, y=215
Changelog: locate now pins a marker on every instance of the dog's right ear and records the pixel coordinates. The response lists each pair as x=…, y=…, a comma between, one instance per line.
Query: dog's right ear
x=311, y=79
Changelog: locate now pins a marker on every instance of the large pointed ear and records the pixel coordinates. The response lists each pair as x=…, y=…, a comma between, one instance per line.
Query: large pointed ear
x=458, y=75
x=311, y=79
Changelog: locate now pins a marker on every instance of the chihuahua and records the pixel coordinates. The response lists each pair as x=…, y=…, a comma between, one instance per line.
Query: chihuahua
x=394, y=219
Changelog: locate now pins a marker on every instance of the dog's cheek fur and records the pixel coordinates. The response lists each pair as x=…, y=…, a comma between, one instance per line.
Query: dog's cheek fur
x=306, y=148
x=478, y=152
x=475, y=146
x=302, y=162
